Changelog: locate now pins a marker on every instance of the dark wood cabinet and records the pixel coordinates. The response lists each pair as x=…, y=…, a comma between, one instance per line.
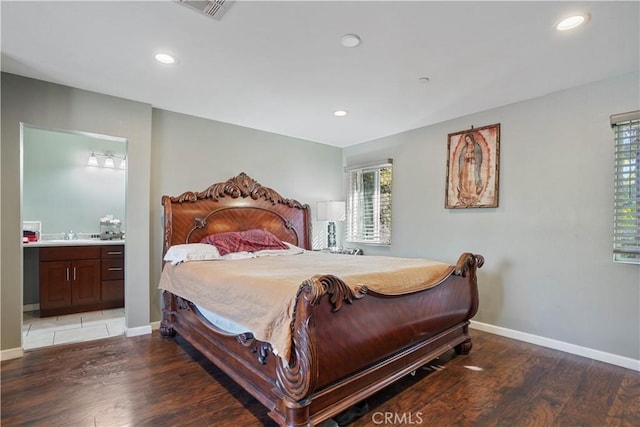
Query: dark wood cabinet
x=55, y=286
x=112, y=275
x=81, y=278
x=85, y=282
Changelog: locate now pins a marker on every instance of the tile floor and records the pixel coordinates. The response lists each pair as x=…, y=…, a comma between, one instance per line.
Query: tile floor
x=46, y=331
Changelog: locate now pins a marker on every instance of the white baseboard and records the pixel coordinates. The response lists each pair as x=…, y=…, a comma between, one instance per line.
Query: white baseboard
x=16, y=353
x=614, y=359
x=12, y=353
x=134, y=332
x=30, y=307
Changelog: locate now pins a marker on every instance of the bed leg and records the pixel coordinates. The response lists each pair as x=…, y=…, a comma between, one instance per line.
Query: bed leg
x=464, y=347
x=166, y=330
x=297, y=413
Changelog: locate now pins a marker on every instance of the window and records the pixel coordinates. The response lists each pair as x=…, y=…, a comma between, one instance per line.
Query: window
x=626, y=233
x=369, y=204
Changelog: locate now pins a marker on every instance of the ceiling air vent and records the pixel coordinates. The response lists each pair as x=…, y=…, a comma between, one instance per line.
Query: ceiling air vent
x=214, y=8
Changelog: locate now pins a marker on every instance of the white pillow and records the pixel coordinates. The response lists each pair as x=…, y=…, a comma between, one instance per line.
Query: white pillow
x=191, y=252
x=200, y=252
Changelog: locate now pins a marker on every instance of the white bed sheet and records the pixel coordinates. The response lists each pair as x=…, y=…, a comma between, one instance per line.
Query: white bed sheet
x=221, y=322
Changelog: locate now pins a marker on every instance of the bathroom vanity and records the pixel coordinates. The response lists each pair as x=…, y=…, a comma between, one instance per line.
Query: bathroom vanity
x=77, y=275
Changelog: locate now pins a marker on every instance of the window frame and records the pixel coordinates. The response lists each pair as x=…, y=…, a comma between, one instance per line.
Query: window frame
x=626, y=203
x=355, y=230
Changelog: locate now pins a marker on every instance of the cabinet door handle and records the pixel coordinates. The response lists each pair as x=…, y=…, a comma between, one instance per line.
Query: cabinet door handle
x=74, y=273
x=115, y=269
x=67, y=274
x=114, y=253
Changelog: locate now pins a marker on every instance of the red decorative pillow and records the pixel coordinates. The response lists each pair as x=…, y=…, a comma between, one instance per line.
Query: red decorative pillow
x=250, y=241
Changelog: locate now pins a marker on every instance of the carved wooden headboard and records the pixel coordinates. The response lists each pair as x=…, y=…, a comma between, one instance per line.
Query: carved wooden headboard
x=238, y=204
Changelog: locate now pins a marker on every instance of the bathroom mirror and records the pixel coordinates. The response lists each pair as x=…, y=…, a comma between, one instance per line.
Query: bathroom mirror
x=61, y=190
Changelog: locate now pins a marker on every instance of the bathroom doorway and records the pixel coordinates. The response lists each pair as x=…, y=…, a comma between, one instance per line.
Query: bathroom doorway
x=70, y=180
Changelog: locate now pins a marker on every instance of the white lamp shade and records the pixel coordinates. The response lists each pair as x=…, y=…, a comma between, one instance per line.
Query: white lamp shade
x=108, y=162
x=331, y=211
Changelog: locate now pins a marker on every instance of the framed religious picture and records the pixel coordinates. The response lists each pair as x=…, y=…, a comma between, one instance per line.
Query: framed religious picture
x=472, y=168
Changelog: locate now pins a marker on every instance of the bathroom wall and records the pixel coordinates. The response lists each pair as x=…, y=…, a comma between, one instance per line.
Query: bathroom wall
x=61, y=190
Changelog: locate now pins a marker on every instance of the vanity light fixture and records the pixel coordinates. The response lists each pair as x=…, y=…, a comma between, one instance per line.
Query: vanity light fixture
x=93, y=160
x=108, y=161
x=572, y=22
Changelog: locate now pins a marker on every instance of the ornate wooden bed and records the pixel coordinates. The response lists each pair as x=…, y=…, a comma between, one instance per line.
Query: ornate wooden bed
x=346, y=344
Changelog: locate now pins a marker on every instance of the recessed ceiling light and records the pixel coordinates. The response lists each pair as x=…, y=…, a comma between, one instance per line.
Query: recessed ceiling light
x=424, y=79
x=340, y=113
x=165, y=58
x=350, y=40
x=571, y=22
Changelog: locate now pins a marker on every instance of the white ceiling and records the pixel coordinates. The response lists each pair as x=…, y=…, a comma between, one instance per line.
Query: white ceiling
x=280, y=67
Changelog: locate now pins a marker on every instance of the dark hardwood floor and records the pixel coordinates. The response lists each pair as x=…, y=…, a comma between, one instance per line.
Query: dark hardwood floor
x=150, y=380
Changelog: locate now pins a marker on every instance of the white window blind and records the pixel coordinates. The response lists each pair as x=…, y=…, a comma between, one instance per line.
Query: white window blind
x=369, y=203
x=626, y=233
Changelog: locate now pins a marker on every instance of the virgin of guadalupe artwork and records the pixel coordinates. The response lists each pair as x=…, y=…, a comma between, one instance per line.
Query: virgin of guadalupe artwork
x=472, y=168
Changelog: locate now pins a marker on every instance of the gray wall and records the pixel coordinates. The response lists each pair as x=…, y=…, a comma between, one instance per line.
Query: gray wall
x=51, y=106
x=191, y=153
x=549, y=269
x=61, y=190
x=168, y=153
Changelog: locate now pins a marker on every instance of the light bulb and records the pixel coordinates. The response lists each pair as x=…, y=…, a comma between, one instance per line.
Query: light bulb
x=165, y=58
x=93, y=160
x=571, y=22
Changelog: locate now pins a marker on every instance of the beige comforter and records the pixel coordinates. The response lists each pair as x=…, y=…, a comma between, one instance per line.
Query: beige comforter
x=259, y=293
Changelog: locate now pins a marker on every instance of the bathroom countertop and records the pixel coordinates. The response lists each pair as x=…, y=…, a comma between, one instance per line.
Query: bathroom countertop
x=75, y=242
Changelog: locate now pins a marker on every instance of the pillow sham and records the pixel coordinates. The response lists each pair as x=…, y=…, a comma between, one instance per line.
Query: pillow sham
x=201, y=252
x=249, y=240
x=191, y=252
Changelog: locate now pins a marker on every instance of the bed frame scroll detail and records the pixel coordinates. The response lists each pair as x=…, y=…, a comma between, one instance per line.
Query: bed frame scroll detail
x=295, y=379
x=239, y=186
x=260, y=347
x=230, y=206
x=327, y=284
x=468, y=263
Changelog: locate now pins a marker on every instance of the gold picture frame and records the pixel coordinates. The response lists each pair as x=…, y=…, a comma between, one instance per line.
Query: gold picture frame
x=473, y=163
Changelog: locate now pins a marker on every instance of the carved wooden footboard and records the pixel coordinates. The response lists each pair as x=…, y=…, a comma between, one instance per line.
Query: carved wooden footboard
x=346, y=344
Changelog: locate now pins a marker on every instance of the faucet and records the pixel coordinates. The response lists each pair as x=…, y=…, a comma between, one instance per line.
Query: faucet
x=70, y=235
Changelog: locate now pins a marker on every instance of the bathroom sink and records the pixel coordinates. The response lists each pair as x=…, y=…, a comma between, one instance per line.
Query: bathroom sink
x=77, y=242
x=68, y=240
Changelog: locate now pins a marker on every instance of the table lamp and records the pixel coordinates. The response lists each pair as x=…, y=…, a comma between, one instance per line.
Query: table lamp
x=331, y=211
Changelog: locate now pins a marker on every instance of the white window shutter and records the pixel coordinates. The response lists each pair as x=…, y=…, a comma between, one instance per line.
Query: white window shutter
x=626, y=233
